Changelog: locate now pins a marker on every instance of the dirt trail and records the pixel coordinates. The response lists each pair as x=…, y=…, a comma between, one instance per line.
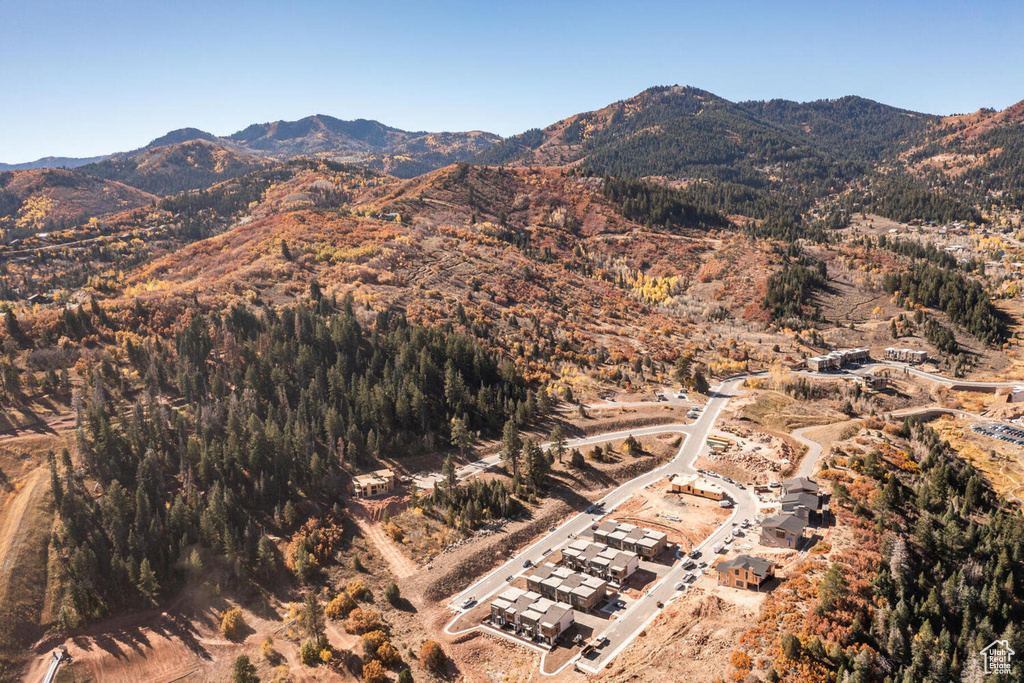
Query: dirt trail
x=51, y=425
x=401, y=564
x=11, y=520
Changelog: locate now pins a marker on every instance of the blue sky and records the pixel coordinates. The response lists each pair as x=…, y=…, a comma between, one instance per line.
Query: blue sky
x=83, y=78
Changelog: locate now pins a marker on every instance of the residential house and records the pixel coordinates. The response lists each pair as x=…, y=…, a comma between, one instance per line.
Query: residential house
x=696, y=485
x=806, y=506
x=800, y=485
x=373, y=484
x=783, y=531
x=801, y=496
x=745, y=571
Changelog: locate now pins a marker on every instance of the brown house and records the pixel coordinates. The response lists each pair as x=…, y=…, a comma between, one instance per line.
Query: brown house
x=745, y=571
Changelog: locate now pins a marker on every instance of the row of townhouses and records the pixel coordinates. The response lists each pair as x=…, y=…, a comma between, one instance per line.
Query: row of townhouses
x=531, y=615
x=597, y=559
x=837, y=359
x=644, y=542
x=580, y=591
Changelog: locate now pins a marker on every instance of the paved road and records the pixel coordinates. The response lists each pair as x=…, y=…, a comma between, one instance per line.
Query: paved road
x=813, y=452
x=429, y=480
x=622, y=631
x=631, y=622
x=868, y=368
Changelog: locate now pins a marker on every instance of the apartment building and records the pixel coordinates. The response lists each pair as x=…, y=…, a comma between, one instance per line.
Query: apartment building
x=530, y=615
x=597, y=559
x=905, y=355
x=562, y=584
x=643, y=542
x=837, y=359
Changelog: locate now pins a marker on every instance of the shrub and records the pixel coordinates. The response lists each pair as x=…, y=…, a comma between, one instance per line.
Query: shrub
x=432, y=657
x=740, y=660
x=231, y=623
x=340, y=607
x=392, y=594
x=309, y=653
x=396, y=532
x=269, y=653
x=362, y=621
x=388, y=654
x=372, y=640
x=243, y=671
x=405, y=676
x=373, y=672
x=357, y=589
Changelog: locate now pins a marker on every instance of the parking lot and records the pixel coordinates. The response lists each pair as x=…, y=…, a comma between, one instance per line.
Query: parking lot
x=1003, y=432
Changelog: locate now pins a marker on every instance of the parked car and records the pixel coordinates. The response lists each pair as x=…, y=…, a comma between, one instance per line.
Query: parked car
x=527, y=563
x=679, y=586
x=468, y=602
x=725, y=503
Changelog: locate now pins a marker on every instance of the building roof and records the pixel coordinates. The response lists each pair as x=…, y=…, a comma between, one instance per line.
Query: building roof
x=383, y=476
x=758, y=565
x=800, y=484
x=559, y=578
x=697, y=482
x=790, y=523
x=807, y=500
x=621, y=532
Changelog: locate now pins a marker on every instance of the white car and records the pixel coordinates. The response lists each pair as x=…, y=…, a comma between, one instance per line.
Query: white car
x=468, y=602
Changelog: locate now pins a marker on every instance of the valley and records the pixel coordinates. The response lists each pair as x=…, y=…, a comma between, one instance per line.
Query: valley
x=679, y=387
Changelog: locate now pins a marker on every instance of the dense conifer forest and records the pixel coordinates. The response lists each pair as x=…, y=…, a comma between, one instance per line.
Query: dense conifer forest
x=246, y=417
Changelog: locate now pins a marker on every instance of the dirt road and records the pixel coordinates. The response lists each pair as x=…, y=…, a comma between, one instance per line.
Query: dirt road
x=11, y=521
x=401, y=565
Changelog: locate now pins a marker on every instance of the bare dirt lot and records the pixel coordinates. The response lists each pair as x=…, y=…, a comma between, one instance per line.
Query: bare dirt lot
x=686, y=519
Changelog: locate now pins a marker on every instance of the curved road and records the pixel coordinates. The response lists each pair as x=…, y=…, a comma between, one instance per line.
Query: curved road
x=622, y=631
